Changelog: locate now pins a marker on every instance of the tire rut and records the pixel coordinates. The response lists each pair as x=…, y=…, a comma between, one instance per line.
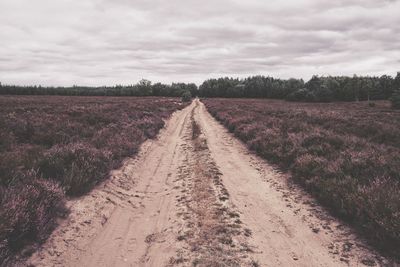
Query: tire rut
x=213, y=233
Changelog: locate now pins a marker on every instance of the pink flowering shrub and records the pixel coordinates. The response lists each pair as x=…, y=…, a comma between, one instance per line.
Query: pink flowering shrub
x=55, y=145
x=345, y=154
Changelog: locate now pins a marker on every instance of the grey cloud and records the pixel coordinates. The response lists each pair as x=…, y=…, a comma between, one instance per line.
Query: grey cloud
x=97, y=42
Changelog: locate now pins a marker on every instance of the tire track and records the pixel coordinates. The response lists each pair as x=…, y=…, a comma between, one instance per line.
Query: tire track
x=212, y=232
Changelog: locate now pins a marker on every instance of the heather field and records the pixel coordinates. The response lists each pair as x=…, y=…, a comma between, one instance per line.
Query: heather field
x=52, y=147
x=345, y=154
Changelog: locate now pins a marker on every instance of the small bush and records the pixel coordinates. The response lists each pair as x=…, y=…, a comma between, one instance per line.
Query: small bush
x=186, y=96
x=14, y=163
x=76, y=166
x=28, y=213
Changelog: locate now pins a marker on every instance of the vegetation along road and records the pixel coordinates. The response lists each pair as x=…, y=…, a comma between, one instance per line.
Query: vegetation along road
x=195, y=196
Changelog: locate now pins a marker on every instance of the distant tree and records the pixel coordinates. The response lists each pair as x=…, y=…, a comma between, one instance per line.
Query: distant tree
x=355, y=84
x=158, y=89
x=325, y=89
x=302, y=94
x=186, y=96
x=386, y=86
x=192, y=89
x=236, y=91
x=177, y=89
x=367, y=87
x=292, y=85
x=217, y=87
x=314, y=83
x=395, y=99
x=323, y=94
x=396, y=82
x=144, y=87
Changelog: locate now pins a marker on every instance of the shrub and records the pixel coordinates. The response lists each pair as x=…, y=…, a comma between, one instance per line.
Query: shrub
x=395, y=99
x=28, y=213
x=380, y=199
x=309, y=166
x=346, y=154
x=73, y=142
x=14, y=163
x=76, y=166
x=186, y=96
x=6, y=139
x=123, y=145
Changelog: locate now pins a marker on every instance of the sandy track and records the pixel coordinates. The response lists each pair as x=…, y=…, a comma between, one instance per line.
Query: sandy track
x=196, y=196
x=288, y=227
x=130, y=220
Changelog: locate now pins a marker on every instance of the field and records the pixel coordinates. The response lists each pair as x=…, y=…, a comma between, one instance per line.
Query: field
x=193, y=195
x=53, y=147
x=346, y=154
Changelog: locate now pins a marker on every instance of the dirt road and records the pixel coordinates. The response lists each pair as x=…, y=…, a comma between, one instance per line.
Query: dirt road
x=196, y=197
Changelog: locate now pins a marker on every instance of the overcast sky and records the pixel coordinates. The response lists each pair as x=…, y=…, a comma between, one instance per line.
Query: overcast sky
x=99, y=42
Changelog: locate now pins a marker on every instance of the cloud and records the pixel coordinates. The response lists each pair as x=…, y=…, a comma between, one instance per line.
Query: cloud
x=98, y=42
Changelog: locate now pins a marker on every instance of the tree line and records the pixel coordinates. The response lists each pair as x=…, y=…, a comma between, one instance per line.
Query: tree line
x=142, y=88
x=317, y=89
